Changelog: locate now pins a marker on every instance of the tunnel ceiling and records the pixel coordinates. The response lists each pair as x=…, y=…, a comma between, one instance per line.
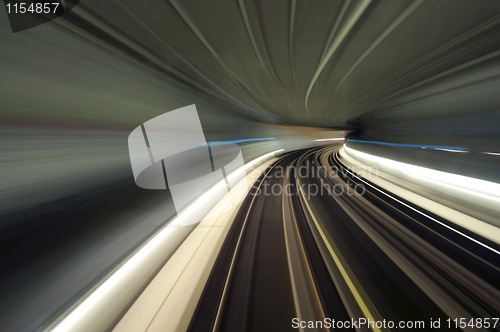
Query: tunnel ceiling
x=320, y=63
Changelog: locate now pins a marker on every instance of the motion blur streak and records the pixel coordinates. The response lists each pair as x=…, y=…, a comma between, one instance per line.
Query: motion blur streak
x=443, y=148
x=410, y=86
x=462, y=183
x=400, y=166
x=193, y=213
x=355, y=292
x=354, y=242
x=472, y=185
x=496, y=199
x=241, y=141
x=329, y=139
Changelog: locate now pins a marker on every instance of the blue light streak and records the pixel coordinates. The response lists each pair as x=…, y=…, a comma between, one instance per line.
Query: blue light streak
x=240, y=141
x=434, y=147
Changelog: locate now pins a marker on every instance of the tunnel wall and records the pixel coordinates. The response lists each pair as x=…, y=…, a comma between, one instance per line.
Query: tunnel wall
x=457, y=111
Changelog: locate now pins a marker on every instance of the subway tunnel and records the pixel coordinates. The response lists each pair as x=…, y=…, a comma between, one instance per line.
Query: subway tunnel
x=237, y=165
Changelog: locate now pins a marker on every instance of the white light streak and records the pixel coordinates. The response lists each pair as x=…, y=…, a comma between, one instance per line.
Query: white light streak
x=467, y=191
x=409, y=206
x=465, y=182
x=330, y=139
x=449, y=150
